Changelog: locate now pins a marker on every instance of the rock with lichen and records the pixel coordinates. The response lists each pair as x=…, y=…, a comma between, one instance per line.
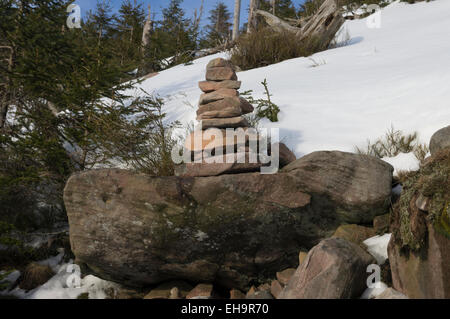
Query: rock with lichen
x=230, y=230
x=419, y=251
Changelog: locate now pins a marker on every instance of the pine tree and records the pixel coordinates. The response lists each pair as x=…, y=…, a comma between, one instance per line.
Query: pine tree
x=178, y=27
x=71, y=108
x=172, y=41
x=218, y=31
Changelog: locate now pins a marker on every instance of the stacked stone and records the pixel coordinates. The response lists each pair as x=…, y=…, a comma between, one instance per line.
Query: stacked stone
x=220, y=105
x=220, y=108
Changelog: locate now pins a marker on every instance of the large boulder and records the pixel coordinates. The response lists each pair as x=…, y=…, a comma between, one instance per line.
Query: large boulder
x=334, y=269
x=419, y=250
x=440, y=140
x=229, y=229
x=361, y=184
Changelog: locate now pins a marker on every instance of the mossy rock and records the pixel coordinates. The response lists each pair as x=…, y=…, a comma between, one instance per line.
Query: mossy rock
x=35, y=275
x=419, y=250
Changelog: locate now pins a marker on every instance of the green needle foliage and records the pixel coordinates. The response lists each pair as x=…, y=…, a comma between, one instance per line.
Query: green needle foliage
x=264, y=108
x=65, y=94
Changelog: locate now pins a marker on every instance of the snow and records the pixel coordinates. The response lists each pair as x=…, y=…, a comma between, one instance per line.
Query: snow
x=396, y=75
x=377, y=247
x=371, y=293
x=59, y=286
x=403, y=161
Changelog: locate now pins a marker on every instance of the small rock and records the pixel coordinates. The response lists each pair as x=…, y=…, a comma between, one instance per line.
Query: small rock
x=251, y=291
x=236, y=294
x=285, y=275
x=263, y=287
x=334, y=269
x=354, y=233
x=214, y=139
x=175, y=293
x=440, y=140
x=167, y=289
x=199, y=141
x=246, y=107
x=276, y=288
x=418, y=223
x=301, y=257
x=221, y=74
x=222, y=109
x=219, y=62
x=286, y=155
x=201, y=291
x=423, y=203
x=260, y=295
x=231, y=166
x=124, y=293
x=391, y=293
x=229, y=103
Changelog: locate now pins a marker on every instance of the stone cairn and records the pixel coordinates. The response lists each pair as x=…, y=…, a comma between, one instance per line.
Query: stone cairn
x=220, y=108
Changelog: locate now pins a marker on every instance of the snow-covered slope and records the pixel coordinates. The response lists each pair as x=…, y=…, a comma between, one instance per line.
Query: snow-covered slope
x=396, y=75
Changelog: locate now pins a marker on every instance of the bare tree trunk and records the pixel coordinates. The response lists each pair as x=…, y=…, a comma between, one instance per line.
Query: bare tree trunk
x=147, y=29
x=273, y=3
x=3, y=112
x=237, y=16
x=252, y=17
x=199, y=18
x=323, y=25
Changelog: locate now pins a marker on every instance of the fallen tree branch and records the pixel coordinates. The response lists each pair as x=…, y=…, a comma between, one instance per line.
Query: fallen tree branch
x=276, y=23
x=322, y=25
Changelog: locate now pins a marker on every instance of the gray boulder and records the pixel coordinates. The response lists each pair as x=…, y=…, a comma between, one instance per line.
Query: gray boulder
x=440, y=140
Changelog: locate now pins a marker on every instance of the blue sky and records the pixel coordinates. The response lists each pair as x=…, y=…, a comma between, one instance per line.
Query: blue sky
x=188, y=5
